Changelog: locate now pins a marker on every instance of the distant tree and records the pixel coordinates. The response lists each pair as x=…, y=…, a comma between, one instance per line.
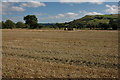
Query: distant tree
x=20, y=25
x=79, y=25
x=38, y=26
x=60, y=25
x=113, y=24
x=9, y=24
x=31, y=20
x=0, y=25
x=104, y=26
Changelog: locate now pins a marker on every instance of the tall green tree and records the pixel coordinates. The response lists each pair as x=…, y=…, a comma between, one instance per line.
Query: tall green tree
x=9, y=24
x=31, y=20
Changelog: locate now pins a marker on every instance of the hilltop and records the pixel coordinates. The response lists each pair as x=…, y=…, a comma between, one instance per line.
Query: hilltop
x=94, y=20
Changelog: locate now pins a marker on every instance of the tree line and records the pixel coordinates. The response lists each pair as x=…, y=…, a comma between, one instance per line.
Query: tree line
x=31, y=22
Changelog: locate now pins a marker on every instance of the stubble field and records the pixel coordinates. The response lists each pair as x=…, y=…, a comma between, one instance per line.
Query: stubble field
x=59, y=54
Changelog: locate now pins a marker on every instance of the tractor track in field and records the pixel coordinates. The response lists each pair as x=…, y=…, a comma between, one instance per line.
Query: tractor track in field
x=62, y=60
x=48, y=51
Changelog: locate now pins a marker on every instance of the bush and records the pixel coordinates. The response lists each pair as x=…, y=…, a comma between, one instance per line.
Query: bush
x=20, y=25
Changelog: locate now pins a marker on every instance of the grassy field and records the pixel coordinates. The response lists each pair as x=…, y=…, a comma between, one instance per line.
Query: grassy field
x=60, y=54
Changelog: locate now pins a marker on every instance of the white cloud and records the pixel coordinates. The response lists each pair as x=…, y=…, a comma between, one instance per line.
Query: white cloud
x=15, y=8
x=80, y=1
x=60, y=15
x=8, y=8
x=65, y=15
x=93, y=13
x=38, y=14
x=16, y=0
x=33, y=4
x=89, y=13
x=70, y=14
x=113, y=9
x=60, y=0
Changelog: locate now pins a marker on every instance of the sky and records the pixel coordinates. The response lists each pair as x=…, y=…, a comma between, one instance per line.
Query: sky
x=61, y=0
x=55, y=12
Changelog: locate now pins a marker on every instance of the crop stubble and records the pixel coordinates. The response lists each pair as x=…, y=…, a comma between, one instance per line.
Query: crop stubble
x=59, y=54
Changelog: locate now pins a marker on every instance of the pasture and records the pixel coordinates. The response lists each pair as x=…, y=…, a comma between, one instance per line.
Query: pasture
x=59, y=54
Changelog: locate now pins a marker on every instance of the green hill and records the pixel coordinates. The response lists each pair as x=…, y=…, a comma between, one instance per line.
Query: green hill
x=94, y=21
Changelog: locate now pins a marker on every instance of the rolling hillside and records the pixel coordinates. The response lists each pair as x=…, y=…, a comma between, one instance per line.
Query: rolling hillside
x=95, y=21
x=96, y=18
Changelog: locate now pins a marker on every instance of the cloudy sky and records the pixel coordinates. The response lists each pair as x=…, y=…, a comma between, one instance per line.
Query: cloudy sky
x=52, y=12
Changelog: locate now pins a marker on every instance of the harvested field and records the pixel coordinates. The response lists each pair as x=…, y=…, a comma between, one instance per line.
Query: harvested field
x=60, y=54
